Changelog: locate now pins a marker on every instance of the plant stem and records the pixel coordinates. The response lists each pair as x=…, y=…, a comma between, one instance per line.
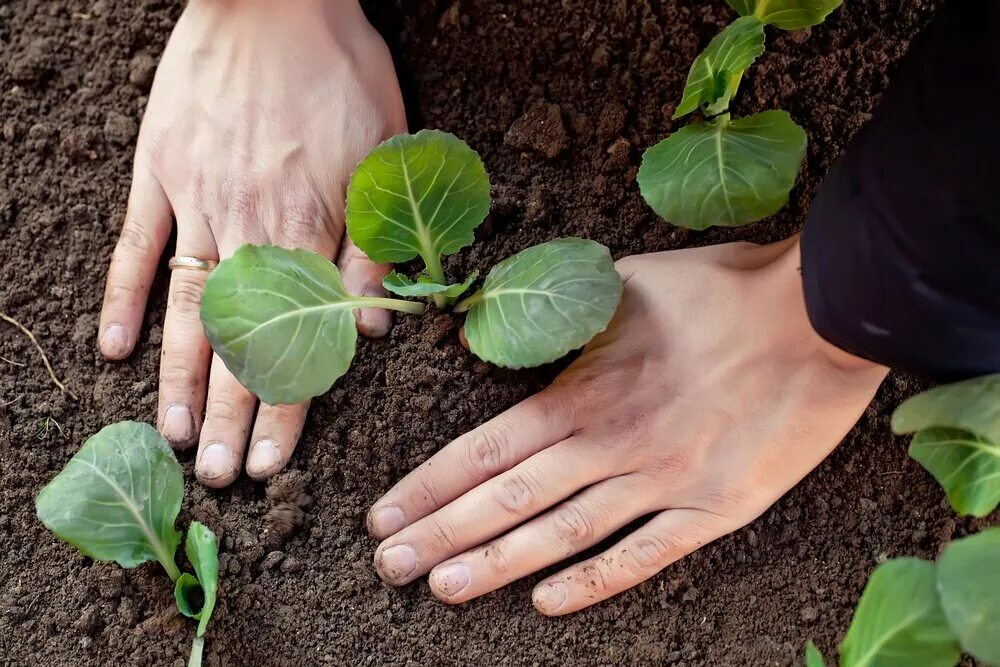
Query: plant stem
x=197, y=647
x=468, y=302
x=412, y=307
x=171, y=567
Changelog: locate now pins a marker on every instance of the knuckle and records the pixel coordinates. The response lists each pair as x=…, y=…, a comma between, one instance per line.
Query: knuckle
x=242, y=199
x=179, y=377
x=647, y=554
x=488, y=450
x=516, y=494
x=442, y=538
x=671, y=464
x=134, y=238
x=598, y=577
x=573, y=524
x=185, y=297
x=495, y=555
x=120, y=293
x=302, y=222
x=428, y=491
x=223, y=408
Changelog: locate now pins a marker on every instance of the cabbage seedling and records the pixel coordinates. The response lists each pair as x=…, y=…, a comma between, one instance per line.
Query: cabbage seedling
x=117, y=500
x=914, y=612
x=957, y=439
x=725, y=171
x=282, y=321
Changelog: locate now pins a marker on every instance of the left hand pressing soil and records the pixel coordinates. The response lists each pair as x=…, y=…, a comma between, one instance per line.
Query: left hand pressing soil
x=707, y=398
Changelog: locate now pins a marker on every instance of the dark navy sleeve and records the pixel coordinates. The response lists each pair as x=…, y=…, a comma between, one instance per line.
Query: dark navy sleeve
x=901, y=247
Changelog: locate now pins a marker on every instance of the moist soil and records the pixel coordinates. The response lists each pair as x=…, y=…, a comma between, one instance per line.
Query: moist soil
x=560, y=98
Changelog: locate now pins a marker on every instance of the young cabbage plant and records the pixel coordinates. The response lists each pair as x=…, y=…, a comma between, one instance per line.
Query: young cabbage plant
x=725, y=171
x=117, y=500
x=957, y=439
x=282, y=321
x=914, y=612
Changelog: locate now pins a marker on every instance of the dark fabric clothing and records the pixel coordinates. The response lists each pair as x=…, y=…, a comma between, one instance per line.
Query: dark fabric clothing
x=901, y=248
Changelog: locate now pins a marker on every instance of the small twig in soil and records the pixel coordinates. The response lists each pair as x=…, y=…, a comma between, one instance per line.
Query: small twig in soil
x=12, y=401
x=34, y=341
x=12, y=362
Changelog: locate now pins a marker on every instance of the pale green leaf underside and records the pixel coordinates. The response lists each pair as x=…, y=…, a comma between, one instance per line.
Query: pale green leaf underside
x=715, y=72
x=202, y=549
x=723, y=173
x=968, y=581
x=787, y=14
x=281, y=321
x=972, y=405
x=813, y=657
x=543, y=302
x=425, y=286
x=417, y=194
x=899, y=621
x=118, y=497
x=965, y=465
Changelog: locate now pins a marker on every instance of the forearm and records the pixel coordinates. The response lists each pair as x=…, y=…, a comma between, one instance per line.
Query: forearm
x=901, y=251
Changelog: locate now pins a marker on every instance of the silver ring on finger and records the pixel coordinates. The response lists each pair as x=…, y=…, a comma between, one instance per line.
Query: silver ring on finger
x=193, y=263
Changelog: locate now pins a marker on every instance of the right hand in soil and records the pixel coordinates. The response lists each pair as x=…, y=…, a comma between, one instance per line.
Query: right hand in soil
x=708, y=397
x=258, y=114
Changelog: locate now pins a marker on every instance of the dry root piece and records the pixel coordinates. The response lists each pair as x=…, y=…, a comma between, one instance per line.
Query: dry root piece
x=45, y=359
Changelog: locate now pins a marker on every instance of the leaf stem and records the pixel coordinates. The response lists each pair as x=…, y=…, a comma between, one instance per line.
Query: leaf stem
x=170, y=566
x=197, y=647
x=468, y=302
x=412, y=307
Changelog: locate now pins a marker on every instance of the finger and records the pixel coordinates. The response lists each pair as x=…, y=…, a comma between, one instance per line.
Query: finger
x=490, y=509
x=363, y=277
x=228, y=415
x=492, y=448
x=575, y=525
x=185, y=355
x=144, y=234
x=666, y=538
x=275, y=435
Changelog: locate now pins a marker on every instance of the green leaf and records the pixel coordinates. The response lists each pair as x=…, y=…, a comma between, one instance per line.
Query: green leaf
x=899, y=621
x=118, y=497
x=813, y=657
x=964, y=464
x=417, y=194
x=787, y=14
x=202, y=549
x=716, y=72
x=968, y=581
x=723, y=173
x=972, y=405
x=543, y=302
x=425, y=286
x=186, y=589
x=282, y=321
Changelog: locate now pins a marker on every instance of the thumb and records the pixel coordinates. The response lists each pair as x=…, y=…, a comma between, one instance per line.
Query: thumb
x=363, y=277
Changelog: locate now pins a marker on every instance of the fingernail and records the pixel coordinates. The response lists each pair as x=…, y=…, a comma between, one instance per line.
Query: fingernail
x=396, y=563
x=386, y=521
x=178, y=424
x=114, y=342
x=451, y=579
x=215, y=461
x=264, y=459
x=549, y=598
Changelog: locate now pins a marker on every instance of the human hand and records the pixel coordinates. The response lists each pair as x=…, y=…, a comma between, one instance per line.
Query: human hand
x=707, y=398
x=259, y=112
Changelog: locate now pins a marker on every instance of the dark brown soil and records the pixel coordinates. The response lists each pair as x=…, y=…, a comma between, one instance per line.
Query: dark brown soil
x=560, y=98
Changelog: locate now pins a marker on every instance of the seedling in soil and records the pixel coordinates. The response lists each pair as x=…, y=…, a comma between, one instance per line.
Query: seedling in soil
x=957, y=439
x=117, y=500
x=914, y=612
x=725, y=171
x=282, y=321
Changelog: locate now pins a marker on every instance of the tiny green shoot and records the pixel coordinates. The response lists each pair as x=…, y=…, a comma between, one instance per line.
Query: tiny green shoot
x=117, y=499
x=725, y=171
x=914, y=612
x=956, y=438
x=283, y=323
